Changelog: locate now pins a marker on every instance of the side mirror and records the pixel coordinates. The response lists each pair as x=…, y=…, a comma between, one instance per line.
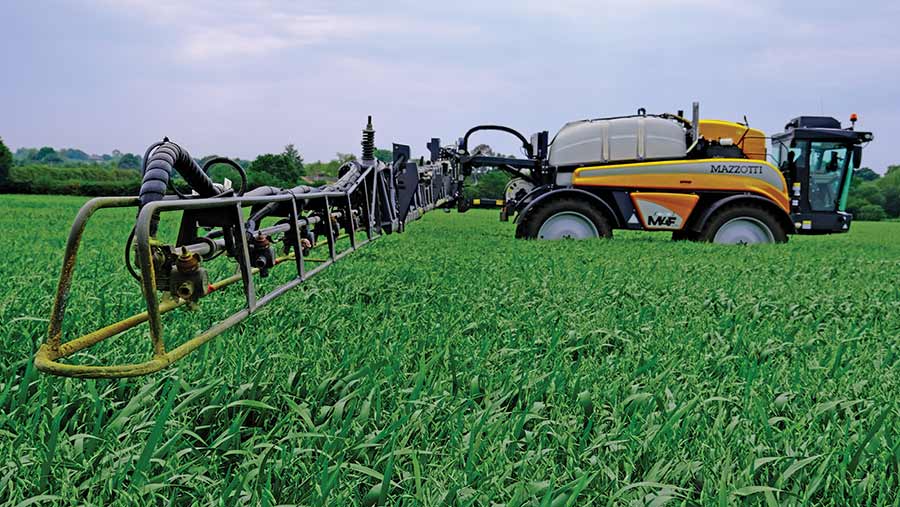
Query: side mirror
x=857, y=157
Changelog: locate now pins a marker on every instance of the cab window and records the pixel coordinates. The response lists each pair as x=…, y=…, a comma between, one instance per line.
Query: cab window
x=790, y=158
x=827, y=167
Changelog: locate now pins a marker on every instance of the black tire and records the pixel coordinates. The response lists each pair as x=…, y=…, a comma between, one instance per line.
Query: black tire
x=752, y=213
x=530, y=225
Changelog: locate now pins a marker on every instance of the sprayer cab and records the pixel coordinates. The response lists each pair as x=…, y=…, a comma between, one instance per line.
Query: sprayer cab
x=817, y=156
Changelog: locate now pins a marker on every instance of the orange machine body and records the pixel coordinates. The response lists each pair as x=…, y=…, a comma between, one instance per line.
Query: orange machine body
x=690, y=177
x=751, y=141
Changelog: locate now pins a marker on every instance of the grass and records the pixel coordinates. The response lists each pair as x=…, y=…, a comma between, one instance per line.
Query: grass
x=454, y=365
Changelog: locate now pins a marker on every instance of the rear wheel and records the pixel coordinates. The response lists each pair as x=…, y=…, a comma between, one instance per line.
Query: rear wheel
x=742, y=225
x=564, y=218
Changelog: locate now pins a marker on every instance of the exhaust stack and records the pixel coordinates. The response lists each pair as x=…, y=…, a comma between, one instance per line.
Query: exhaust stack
x=695, y=123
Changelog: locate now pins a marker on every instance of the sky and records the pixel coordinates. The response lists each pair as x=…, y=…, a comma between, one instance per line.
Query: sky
x=243, y=78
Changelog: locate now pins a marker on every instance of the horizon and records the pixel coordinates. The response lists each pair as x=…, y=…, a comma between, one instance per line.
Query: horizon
x=243, y=79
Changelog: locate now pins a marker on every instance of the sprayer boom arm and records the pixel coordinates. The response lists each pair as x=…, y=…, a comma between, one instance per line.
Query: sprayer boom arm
x=371, y=198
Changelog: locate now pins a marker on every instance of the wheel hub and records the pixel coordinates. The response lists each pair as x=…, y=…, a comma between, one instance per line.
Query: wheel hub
x=743, y=231
x=568, y=225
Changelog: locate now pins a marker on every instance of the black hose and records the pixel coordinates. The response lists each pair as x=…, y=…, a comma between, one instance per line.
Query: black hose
x=263, y=191
x=128, y=265
x=167, y=157
x=234, y=165
x=147, y=154
x=256, y=217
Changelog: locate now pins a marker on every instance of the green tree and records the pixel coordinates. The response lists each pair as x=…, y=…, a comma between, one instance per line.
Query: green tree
x=291, y=153
x=490, y=185
x=129, y=161
x=270, y=164
x=47, y=155
x=871, y=212
x=865, y=174
x=866, y=193
x=386, y=156
x=285, y=169
x=74, y=154
x=319, y=169
x=871, y=193
x=6, y=162
x=24, y=155
x=889, y=184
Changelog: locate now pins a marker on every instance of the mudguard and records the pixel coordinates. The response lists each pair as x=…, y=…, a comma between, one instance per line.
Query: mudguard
x=697, y=223
x=541, y=194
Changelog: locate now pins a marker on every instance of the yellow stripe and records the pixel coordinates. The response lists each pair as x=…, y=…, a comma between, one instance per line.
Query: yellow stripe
x=675, y=162
x=577, y=174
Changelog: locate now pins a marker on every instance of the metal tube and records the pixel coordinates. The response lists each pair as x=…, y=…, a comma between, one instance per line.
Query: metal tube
x=204, y=247
x=331, y=238
x=243, y=260
x=298, y=241
x=46, y=358
x=695, y=122
x=148, y=278
x=54, y=331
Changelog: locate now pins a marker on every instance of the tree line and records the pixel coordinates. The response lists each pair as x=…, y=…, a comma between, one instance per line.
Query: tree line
x=875, y=197
x=73, y=171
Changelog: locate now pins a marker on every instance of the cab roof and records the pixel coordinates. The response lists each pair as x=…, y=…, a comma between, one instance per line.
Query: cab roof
x=822, y=128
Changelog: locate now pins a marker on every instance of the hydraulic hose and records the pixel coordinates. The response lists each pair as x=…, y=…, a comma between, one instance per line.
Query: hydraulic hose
x=234, y=165
x=270, y=208
x=167, y=157
x=158, y=168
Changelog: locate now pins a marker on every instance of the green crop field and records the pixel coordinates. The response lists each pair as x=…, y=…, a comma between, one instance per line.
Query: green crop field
x=454, y=365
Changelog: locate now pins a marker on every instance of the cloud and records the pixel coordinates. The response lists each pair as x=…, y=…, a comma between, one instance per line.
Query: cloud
x=210, y=31
x=234, y=40
x=207, y=31
x=580, y=10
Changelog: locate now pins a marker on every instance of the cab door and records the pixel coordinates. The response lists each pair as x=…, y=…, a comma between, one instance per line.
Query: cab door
x=828, y=166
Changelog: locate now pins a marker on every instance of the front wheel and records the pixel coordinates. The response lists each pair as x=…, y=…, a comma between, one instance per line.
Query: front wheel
x=563, y=218
x=743, y=225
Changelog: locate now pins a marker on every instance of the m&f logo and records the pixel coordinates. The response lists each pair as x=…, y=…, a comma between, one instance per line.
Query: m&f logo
x=661, y=221
x=655, y=215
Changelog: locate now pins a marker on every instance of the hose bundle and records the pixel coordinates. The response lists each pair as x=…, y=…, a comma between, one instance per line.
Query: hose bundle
x=167, y=157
